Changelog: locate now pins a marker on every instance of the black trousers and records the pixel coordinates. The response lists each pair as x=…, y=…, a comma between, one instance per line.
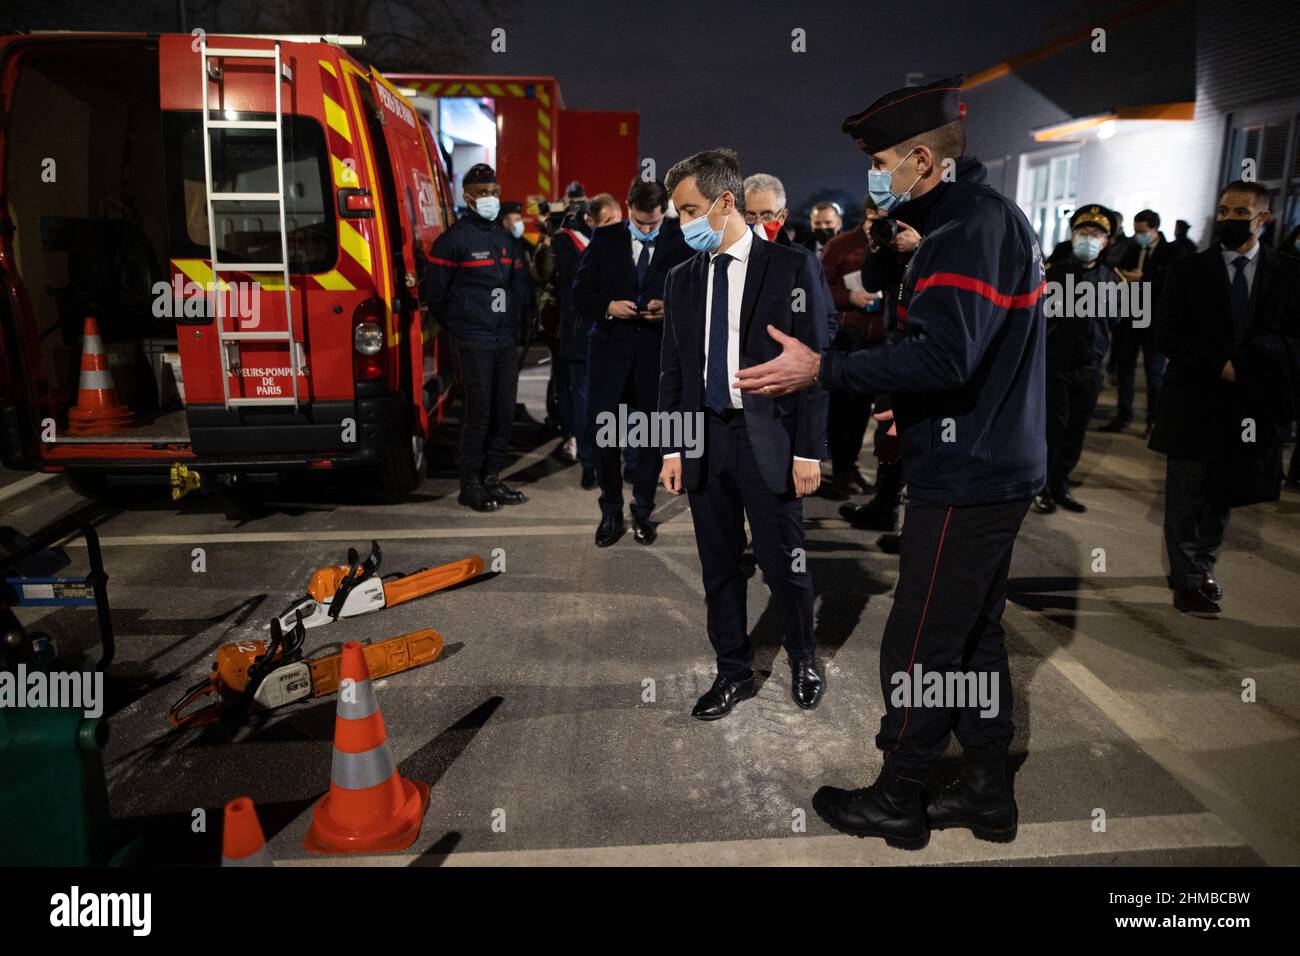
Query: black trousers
x=947, y=618
x=631, y=378
x=1071, y=396
x=1195, y=520
x=489, y=378
x=849, y=413
x=732, y=489
x=1128, y=341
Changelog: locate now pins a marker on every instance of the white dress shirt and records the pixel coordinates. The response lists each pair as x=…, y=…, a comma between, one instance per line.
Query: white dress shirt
x=1230, y=255
x=637, y=244
x=736, y=271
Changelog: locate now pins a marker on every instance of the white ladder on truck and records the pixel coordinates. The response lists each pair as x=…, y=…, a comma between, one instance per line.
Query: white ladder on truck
x=224, y=337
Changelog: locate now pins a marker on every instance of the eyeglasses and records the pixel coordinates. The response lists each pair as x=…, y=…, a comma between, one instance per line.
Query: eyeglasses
x=753, y=217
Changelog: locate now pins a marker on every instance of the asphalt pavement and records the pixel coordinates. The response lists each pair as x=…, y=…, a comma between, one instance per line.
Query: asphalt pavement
x=555, y=727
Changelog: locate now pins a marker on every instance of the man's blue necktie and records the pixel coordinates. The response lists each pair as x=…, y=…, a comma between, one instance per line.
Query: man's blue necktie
x=643, y=263
x=1240, y=297
x=717, y=386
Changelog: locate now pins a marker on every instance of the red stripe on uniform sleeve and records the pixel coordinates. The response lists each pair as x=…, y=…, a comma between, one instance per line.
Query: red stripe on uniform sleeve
x=978, y=286
x=440, y=262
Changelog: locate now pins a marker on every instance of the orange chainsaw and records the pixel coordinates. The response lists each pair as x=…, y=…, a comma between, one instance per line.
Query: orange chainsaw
x=346, y=590
x=255, y=675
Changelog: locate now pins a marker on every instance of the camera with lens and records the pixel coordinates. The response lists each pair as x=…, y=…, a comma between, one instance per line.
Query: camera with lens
x=883, y=231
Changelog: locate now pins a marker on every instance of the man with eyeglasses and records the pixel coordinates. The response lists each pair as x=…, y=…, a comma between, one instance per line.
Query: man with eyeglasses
x=765, y=209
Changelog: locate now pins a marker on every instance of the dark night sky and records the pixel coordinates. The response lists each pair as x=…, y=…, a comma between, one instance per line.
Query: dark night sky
x=701, y=73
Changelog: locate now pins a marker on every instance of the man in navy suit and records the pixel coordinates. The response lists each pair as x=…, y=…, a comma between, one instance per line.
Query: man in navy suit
x=760, y=454
x=619, y=289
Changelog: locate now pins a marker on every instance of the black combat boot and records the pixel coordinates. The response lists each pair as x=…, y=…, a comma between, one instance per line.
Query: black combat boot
x=892, y=808
x=474, y=494
x=502, y=492
x=981, y=800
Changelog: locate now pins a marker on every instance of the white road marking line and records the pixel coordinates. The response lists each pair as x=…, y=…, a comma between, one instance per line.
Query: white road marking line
x=382, y=534
x=1067, y=838
x=24, y=491
x=1275, y=849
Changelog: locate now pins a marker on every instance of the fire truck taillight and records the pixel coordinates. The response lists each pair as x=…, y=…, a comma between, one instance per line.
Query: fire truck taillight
x=369, y=349
x=368, y=339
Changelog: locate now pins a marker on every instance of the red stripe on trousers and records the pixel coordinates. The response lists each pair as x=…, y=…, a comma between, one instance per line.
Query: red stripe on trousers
x=916, y=641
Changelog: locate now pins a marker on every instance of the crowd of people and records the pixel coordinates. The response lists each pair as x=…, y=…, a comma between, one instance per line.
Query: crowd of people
x=938, y=318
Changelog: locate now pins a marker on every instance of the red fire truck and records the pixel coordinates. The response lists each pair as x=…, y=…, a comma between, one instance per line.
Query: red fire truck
x=520, y=126
x=244, y=217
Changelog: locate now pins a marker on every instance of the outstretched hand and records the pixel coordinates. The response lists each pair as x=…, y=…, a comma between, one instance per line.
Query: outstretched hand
x=794, y=370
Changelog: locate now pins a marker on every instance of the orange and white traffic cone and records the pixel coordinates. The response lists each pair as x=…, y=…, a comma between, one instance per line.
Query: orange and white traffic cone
x=97, y=411
x=242, y=843
x=370, y=807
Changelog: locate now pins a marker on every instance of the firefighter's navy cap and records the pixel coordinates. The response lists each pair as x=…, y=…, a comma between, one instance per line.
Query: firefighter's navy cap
x=1095, y=214
x=906, y=112
x=510, y=206
x=479, y=173
x=574, y=190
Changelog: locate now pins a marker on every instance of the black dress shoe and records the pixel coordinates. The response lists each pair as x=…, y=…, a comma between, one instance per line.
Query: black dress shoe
x=1211, y=587
x=722, y=696
x=1043, y=503
x=875, y=515
x=609, y=530
x=1114, y=425
x=892, y=808
x=1066, y=500
x=502, y=492
x=476, y=496
x=891, y=542
x=643, y=530
x=1194, y=601
x=806, y=684
x=980, y=801
x=589, y=479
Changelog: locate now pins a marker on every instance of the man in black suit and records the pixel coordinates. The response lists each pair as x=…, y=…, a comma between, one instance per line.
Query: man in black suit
x=619, y=287
x=1229, y=321
x=760, y=454
x=1148, y=255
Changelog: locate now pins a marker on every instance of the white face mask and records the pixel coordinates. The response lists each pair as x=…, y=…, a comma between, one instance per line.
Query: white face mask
x=517, y=230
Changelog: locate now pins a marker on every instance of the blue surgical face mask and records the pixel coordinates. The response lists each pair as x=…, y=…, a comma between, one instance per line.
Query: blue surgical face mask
x=880, y=186
x=639, y=235
x=489, y=207
x=517, y=230
x=699, y=235
x=1144, y=239
x=1086, y=248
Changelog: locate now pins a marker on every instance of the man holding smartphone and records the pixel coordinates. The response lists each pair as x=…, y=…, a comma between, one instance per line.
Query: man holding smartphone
x=619, y=287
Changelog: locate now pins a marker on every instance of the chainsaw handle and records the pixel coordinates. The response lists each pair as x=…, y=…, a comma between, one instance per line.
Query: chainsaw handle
x=204, y=715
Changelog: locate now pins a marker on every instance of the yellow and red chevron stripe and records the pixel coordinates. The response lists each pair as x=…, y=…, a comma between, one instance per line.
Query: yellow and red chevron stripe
x=355, y=263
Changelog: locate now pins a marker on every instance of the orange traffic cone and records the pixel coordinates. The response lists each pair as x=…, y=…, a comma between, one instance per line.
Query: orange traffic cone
x=242, y=843
x=97, y=411
x=370, y=807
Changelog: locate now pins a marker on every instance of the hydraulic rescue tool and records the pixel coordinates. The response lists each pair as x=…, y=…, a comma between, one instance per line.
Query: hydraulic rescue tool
x=248, y=675
x=356, y=588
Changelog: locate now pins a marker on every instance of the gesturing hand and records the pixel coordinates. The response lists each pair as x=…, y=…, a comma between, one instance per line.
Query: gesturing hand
x=794, y=370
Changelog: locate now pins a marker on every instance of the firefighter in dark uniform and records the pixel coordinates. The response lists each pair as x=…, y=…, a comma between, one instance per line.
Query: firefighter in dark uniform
x=1076, y=349
x=477, y=289
x=966, y=381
